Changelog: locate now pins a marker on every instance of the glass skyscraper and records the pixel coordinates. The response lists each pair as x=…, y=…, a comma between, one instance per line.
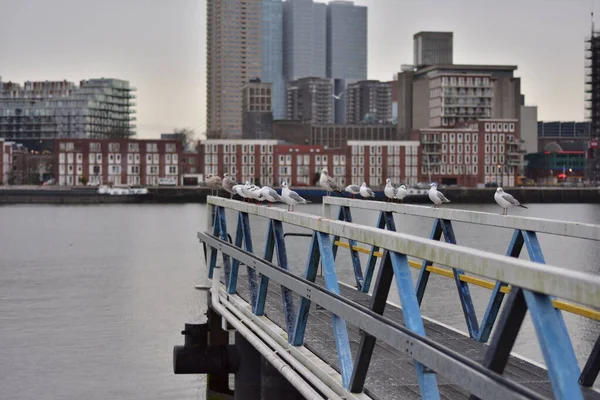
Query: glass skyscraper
x=272, y=54
x=304, y=39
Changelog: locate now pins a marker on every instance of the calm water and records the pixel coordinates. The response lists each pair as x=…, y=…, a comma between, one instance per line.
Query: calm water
x=92, y=298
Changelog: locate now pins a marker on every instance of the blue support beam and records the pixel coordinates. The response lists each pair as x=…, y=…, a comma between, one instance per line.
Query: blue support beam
x=436, y=234
x=372, y=260
x=213, y=251
x=552, y=333
x=223, y=234
x=286, y=294
x=243, y=236
x=491, y=312
x=310, y=274
x=413, y=320
x=556, y=346
x=345, y=215
x=340, y=330
x=263, y=285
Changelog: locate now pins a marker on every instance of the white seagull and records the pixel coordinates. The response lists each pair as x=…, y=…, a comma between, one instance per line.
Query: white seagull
x=389, y=191
x=339, y=96
x=246, y=190
x=270, y=195
x=506, y=200
x=436, y=197
x=239, y=189
x=228, y=184
x=401, y=192
x=214, y=182
x=290, y=197
x=327, y=183
x=365, y=191
x=353, y=190
x=255, y=193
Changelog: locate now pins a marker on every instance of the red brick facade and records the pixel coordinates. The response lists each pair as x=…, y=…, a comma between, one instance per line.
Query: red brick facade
x=472, y=153
x=118, y=161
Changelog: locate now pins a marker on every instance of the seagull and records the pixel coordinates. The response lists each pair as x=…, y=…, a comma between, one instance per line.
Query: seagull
x=254, y=193
x=327, y=183
x=239, y=189
x=365, y=191
x=401, y=192
x=389, y=191
x=506, y=200
x=228, y=184
x=353, y=190
x=437, y=197
x=290, y=197
x=270, y=195
x=339, y=96
x=214, y=182
x=246, y=190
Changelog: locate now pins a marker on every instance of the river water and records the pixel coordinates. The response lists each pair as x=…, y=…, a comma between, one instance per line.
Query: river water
x=93, y=298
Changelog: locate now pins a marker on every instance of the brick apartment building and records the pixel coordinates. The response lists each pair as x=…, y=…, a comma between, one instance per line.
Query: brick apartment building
x=269, y=162
x=375, y=161
x=476, y=152
x=118, y=161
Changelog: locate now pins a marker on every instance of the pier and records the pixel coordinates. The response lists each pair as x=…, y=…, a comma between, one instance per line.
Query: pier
x=309, y=336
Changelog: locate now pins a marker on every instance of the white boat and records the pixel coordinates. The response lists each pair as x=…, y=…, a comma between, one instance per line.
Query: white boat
x=122, y=191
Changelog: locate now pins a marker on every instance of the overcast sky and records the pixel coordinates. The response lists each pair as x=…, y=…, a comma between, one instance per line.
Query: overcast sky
x=160, y=47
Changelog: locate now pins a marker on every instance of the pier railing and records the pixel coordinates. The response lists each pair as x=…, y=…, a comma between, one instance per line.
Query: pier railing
x=533, y=287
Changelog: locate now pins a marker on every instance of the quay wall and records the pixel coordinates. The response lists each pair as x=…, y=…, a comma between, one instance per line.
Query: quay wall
x=43, y=195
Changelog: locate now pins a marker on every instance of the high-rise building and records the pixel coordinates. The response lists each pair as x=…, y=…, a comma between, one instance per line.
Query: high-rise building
x=233, y=58
x=43, y=111
x=369, y=102
x=346, y=41
x=272, y=53
x=431, y=48
x=346, y=49
x=304, y=39
x=257, y=111
x=311, y=99
x=444, y=95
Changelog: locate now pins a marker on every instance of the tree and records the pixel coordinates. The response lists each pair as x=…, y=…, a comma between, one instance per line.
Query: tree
x=186, y=135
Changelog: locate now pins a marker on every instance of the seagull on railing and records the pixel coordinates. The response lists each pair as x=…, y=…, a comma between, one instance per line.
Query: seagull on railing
x=246, y=190
x=270, y=195
x=401, y=192
x=365, y=191
x=353, y=190
x=390, y=191
x=506, y=200
x=254, y=192
x=239, y=189
x=290, y=197
x=214, y=182
x=437, y=197
x=228, y=184
x=328, y=183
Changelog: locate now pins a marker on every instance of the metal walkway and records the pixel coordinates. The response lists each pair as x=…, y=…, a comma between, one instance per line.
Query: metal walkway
x=398, y=354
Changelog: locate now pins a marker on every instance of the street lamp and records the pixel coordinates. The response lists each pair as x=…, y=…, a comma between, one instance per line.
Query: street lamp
x=500, y=175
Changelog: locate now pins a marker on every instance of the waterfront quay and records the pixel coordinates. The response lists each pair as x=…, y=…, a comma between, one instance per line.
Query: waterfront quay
x=199, y=194
x=306, y=335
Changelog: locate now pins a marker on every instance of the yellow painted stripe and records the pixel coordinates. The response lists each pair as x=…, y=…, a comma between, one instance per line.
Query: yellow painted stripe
x=559, y=304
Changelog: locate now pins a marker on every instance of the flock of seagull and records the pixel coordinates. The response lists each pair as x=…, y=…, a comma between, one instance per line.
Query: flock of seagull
x=253, y=193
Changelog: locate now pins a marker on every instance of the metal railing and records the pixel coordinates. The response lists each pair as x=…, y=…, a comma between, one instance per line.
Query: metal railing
x=532, y=287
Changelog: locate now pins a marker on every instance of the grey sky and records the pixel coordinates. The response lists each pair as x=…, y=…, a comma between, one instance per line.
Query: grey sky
x=159, y=46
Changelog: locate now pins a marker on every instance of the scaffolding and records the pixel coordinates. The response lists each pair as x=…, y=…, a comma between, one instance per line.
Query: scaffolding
x=592, y=101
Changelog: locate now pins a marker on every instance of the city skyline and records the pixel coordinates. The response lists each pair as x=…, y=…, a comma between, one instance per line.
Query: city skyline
x=161, y=48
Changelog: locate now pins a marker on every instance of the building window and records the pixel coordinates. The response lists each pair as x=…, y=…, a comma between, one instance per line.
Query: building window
x=133, y=147
x=94, y=146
